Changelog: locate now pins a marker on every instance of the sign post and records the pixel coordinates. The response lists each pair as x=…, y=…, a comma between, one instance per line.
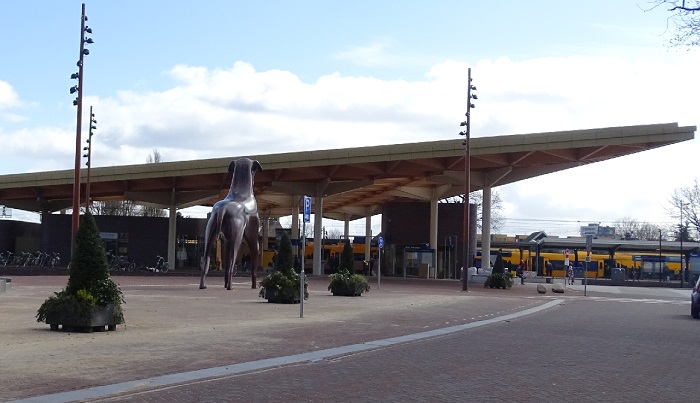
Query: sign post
x=380, y=244
x=566, y=264
x=307, y=218
x=589, y=246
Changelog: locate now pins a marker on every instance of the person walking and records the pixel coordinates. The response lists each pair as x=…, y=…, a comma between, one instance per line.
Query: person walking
x=570, y=274
x=520, y=271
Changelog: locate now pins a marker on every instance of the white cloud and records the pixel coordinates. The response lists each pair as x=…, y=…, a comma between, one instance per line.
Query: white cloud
x=8, y=96
x=9, y=99
x=241, y=111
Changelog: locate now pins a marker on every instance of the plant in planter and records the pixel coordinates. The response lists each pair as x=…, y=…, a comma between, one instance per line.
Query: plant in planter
x=498, y=278
x=282, y=285
x=91, y=300
x=345, y=282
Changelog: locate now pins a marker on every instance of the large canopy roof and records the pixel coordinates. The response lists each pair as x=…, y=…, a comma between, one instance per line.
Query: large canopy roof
x=354, y=182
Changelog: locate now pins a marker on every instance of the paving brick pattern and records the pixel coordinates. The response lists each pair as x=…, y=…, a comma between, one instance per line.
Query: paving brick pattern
x=596, y=348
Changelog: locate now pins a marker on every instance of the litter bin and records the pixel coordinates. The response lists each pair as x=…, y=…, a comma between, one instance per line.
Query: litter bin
x=618, y=275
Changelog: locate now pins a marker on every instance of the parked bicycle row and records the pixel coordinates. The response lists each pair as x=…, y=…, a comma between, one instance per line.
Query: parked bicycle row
x=124, y=264
x=30, y=259
x=52, y=260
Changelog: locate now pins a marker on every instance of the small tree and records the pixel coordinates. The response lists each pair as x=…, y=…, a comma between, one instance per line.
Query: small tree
x=498, y=266
x=89, y=282
x=347, y=260
x=345, y=282
x=284, y=262
x=282, y=285
x=498, y=277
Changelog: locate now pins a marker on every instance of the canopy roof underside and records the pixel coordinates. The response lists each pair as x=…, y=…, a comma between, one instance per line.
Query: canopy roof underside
x=353, y=182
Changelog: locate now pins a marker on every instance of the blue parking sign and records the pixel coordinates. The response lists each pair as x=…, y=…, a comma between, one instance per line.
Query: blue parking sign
x=307, y=209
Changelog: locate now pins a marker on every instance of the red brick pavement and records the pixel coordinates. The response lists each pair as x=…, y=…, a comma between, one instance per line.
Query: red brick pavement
x=173, y=327
x=608, y=357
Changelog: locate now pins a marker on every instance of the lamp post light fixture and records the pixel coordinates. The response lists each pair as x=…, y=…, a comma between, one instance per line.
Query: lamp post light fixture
x=466, y=256
x=88, y=155
x=78, y=102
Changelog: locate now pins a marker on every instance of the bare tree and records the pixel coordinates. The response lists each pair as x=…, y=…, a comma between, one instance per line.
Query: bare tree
x=626, y=228
x=651, y=232
x=478, y=199
x=629, y=228
x=116, y=207
x=685, y=202
x=308, y=230
x=334, y=233
x=684, y=20
x=154, y=158
x=127, y=207
x=287, y=223
x=150, y=211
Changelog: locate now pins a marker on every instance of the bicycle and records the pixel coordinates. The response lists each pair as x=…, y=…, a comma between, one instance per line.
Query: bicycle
x=121, y=263
x=54, y=260
x=21, y=260
x=6, y=258
x=37, y=259
x=160, y=267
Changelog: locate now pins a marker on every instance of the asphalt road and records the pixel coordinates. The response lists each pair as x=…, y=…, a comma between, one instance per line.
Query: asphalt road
x=182, y=344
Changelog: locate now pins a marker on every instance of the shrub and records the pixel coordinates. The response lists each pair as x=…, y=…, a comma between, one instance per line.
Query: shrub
x=347, y=284
x=283, y=281
x=89, y=283
x=498, y=266
x=498, y=280
x=347, y=260
x=284, y=287
x=284, y=262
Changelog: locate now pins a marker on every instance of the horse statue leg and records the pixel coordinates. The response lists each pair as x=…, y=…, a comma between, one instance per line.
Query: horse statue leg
x=226, y=262
x=210, y=237
x=231, y=253
x=251, y=238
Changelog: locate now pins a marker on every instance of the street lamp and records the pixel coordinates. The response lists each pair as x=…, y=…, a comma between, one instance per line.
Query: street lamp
x=88, y=155
x=681, y=234
x=466, y=256
x=78, y=101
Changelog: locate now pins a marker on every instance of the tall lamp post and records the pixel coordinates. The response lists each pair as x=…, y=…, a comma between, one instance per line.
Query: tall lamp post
x=466, y=256
x=79, y=103
x=681, y=234
x=88, y=155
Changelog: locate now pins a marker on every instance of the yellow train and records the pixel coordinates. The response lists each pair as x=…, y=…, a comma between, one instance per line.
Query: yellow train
x=636, y=265
x=330, y=254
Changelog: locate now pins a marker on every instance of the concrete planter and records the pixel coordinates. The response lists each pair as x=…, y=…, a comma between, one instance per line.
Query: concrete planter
x=341, y=290
x=274, y=297
x=100, y=317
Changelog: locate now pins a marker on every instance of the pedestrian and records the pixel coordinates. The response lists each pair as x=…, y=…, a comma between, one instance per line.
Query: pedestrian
x=548, y=266
x=520, y=271
x=570, y=274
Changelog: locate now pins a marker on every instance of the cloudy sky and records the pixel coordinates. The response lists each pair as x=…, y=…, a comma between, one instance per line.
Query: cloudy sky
x=230, y=78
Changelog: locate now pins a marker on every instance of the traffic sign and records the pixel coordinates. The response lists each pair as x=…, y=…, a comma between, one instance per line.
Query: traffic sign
x=380, y=242
x=307, y=209
x=589, y=243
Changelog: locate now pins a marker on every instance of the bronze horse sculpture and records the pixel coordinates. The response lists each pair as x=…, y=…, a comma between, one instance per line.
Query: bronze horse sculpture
x=234, y=220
